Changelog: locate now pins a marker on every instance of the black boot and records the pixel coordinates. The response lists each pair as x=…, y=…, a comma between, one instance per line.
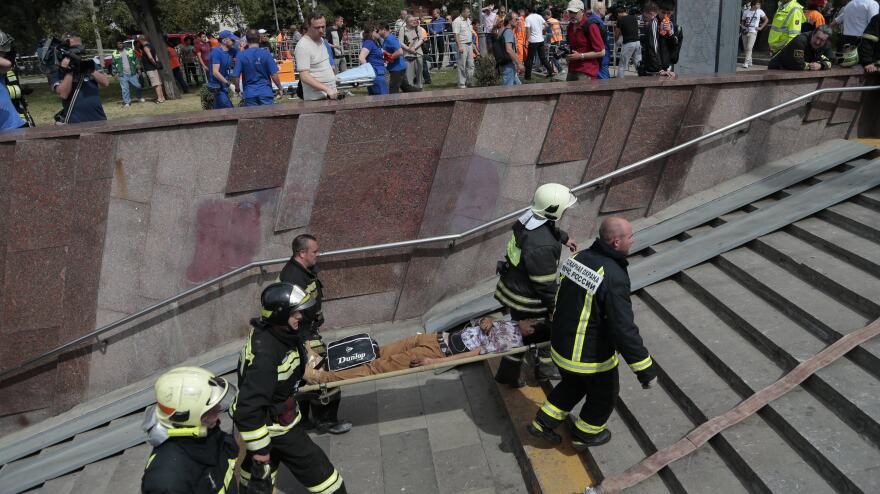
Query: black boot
x=543, y=432
x=580, y=443
x=510, y=371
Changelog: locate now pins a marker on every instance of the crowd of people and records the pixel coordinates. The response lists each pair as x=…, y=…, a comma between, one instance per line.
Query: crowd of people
x=803, y=36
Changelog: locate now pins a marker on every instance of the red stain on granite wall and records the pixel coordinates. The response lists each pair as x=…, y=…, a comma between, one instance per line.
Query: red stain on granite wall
x=227, y=236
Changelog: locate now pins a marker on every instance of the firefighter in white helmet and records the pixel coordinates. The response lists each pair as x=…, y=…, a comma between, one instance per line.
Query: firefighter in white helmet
x=527, y=287
x=190, y=452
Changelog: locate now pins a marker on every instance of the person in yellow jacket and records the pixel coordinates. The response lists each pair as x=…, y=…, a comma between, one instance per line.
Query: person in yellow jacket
x=786, y=24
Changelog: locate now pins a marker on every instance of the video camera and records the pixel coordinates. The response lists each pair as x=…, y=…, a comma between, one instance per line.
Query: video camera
x=559, y=50
x=79, y=64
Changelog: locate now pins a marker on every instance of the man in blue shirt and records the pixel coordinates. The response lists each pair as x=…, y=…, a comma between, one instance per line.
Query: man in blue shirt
x=396, y=63
x=77, y=86
x=258, y=71
x=219, y=77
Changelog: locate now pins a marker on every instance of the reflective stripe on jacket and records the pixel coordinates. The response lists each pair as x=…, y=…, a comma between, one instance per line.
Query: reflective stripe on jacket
x=786, y=25
x=528, y=284
x=594, y=318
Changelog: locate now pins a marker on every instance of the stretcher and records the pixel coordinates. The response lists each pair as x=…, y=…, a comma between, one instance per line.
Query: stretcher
x=357, y=77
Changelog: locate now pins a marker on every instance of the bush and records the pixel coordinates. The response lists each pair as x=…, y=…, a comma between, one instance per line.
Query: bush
x=206, y=97
x=485, y=72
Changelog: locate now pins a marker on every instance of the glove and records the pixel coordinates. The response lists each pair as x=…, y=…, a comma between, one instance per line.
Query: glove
x=646, y=376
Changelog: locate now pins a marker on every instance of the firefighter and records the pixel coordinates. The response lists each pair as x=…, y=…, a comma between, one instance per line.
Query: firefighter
x=190, y=452
x=527, y=286
x=593, y=321
x=786, y=25
x=265, y=412
x=12, y=83
x=808, y=51
x=869, y=47
x=301, y=270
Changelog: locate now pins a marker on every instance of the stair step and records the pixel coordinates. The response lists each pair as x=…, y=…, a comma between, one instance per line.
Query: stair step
x=803, y=420
x=844, y=244
x=843, y=386
x=60, y=485
x=95, y=477
x=128, y=473
x=855, y=218
x=809, y=307
x=621, y=453
x=869, y=199
x=848, y=284
x=753, y=447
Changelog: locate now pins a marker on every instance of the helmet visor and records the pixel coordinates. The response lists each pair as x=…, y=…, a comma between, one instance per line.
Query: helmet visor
x=222, y=394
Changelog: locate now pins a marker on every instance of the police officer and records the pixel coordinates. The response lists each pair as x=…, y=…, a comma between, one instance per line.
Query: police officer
x=301, y=270
x=787, y=24
x=527, y=286
x=270, y=368
x=190, y=452
x=593, y=321
x=808, y=51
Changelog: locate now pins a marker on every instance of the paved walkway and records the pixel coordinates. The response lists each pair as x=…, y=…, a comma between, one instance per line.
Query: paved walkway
x=422, y=433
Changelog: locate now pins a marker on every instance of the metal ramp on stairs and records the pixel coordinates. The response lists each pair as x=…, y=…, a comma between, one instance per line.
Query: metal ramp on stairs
x=732, y=288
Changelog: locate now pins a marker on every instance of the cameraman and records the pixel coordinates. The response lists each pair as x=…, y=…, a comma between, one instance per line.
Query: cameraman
x=76, y=83
x=9, y=114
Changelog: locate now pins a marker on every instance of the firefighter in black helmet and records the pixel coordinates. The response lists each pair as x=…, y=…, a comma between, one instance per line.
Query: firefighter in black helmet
x=270, y=368
x=527, y=286
x=190, y=452
x=592, y=323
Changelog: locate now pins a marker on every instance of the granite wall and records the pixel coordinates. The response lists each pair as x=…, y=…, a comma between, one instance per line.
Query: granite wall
x=98, y=221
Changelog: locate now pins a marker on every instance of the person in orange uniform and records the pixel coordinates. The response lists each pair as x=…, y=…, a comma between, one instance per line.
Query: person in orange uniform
x=519, y=32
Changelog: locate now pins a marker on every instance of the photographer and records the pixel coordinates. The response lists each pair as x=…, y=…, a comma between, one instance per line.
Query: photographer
x=76, y=83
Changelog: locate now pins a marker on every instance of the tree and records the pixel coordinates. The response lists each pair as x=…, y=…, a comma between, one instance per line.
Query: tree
x=144, y=14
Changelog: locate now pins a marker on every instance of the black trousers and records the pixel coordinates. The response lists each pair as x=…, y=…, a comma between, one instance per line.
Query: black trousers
x=601, y=390
x=306, y=461
x=537, y=49
x=192, y=72
x=398, y=82
x=319, y=412
x=178, y=76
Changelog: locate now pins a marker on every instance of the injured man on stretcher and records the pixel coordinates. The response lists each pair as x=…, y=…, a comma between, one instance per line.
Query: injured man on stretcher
x=488, y=335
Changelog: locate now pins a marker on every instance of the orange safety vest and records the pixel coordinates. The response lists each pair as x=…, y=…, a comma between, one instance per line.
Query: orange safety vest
x=555, y=30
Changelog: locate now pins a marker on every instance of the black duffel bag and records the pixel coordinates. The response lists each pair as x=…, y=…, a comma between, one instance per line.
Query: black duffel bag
x=352, y=351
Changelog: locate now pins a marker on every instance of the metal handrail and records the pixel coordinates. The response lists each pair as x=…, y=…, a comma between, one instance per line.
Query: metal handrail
x=450, y=238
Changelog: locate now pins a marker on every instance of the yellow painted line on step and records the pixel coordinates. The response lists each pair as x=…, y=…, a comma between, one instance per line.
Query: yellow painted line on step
x=551, y=469
x=870, y=142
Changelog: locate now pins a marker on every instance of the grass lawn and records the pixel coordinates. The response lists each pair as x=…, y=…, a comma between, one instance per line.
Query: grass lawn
x=43, y=104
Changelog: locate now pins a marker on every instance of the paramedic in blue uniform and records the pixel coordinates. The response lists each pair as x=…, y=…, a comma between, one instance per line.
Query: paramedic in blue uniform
x=220, y=70
x=258, y=71
x=301, y=270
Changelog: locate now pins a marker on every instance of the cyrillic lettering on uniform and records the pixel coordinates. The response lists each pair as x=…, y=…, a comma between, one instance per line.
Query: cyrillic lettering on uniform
x=581, y=275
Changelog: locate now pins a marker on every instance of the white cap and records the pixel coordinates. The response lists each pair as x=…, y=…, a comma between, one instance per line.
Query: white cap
x=261, y=31
x=575, y=6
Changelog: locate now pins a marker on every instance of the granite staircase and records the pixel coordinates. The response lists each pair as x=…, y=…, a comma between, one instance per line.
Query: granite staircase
x=731, y=290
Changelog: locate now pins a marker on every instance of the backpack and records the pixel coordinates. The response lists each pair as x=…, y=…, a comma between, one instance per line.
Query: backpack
x=499, y=50
x=351, y=351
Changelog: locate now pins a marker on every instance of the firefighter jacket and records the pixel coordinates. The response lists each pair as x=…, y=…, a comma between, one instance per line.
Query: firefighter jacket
x=184, y=465
x=594, y=317
x=528, y=274
x=786, y=25
x=869, y=47
x=799, y=54
x=270, y=368
x=307, y=279
x=16, y=93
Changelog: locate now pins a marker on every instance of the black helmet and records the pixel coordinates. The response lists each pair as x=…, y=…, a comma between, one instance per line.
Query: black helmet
x=278, y=300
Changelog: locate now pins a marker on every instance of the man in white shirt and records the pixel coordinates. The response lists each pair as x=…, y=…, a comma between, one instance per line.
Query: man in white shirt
x=464, y=39
x=753, y=21
x=854, y=18
x=535, y=39
x=313, y=62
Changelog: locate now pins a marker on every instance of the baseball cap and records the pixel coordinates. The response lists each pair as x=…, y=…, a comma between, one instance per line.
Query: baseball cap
x=228, y=34
x=575, y=6
x=261, y=31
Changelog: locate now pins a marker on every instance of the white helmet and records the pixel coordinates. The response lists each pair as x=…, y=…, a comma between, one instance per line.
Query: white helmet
x=5, y=42
x=551, y=200
x=184, y=395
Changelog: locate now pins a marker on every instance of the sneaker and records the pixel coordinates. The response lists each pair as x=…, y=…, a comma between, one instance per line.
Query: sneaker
x=340, y=427
x=126, y=105
x=461, y=86
x=580, y=444
x=545, y=434
x=141, y=100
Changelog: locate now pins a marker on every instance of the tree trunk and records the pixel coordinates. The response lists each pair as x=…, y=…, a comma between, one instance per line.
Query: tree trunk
x=143, y=12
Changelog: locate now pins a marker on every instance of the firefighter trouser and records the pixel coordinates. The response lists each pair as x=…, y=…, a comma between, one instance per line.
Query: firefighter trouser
x=305, y=460
x=601, y=391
